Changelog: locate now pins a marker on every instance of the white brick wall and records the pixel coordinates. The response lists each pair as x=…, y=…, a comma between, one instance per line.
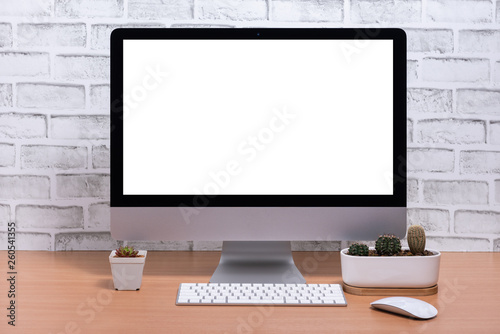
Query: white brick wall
x=459, y=11
x=5, y=35
x=5, y=95
x=430, y=40
x=50, y=96
x=455, y=69
x=453, y=131
x=47, y=217
x=385, y=11
x=51, y=35
x=7, y=155
x=88, y=8
x=54, y=157
x=167, y=9
x=28, y=64
x=307, y=10
x=478, y=101
x=54, y=109
x=455, y=192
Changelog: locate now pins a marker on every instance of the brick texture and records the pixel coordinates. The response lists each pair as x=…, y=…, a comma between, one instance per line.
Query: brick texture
x=412, y=191
x=99, y=216
x=461, y=11
x=7, y=155
x=478, y=101
x=5, y=95
x=5, y=35
x=233, y=10
x=55, y=123
x=30, y=241
x=426, y=100
x=453, y=131
x=432, y=220
x=82, y=185
x=24, y=187
x=85, y=241
x=455, y=69
x=455, y=192
x=80, y=127
x=497, y=191
x=307, y=11
x=100, y=156
x=496, y=72
x=494, y=133
x=29, y=8
x=385, y=11
x=54, y=157
x=480, y=162
x=99, y=97
x=89, y=8
x=27, y=64
x=81, y=67
x=412, y=69
x=37, y=216
x=479, y=41
x=430, y=40
x=455, y=244
x=430, y=160
x=52, y=35
x=477, y=222
x=30, y=95
x=16, y=125
x=167, y=9
x=4, y=215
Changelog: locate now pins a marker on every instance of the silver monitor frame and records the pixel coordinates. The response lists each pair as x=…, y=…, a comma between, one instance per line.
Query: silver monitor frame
x=258, y=219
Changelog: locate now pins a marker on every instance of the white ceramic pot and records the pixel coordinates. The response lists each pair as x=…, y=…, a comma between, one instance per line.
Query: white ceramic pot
x=390, y=271
x=127, y=271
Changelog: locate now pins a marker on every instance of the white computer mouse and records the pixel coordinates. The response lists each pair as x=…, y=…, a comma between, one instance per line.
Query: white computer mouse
x=410, y=307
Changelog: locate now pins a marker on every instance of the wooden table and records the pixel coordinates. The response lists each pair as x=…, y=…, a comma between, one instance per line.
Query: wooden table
x=72, y=292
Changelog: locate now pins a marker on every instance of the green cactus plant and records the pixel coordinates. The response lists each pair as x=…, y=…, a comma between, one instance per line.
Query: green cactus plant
x=358, y=250
x=388, y=244
x=127, y=251
x=416, y=239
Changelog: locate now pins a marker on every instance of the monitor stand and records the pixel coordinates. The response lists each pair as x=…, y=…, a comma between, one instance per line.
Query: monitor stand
x=257, y=262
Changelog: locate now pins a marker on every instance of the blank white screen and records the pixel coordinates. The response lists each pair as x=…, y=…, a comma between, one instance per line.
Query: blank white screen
x=258, y=117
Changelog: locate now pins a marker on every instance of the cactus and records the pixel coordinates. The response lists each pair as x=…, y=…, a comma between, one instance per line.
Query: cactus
x=388, y=244
x=416, y=239
x=126, y=252
x=358, y=250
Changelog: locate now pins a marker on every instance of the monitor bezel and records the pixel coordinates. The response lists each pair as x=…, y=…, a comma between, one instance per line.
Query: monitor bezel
x=397, y=199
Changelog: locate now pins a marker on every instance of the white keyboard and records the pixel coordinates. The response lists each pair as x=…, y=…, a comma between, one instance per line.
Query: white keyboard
x=260, y=294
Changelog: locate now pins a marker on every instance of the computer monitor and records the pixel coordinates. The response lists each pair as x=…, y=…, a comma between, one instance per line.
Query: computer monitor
x=258, y=137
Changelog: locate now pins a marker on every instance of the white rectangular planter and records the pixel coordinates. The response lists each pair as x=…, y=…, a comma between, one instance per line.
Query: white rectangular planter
x=390, y=271
x=127, y=271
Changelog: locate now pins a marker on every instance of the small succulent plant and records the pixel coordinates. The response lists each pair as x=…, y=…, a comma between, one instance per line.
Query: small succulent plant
x=388, y=244
x=358, y=250
x=416, y=239
x=127, y=251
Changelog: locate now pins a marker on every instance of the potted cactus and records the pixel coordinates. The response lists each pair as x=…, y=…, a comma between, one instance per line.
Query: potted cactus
x=388, y=265
x=127, y=265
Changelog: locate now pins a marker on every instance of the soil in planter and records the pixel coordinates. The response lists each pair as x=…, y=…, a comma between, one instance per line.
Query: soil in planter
x=373, y=252
x=128, y=257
